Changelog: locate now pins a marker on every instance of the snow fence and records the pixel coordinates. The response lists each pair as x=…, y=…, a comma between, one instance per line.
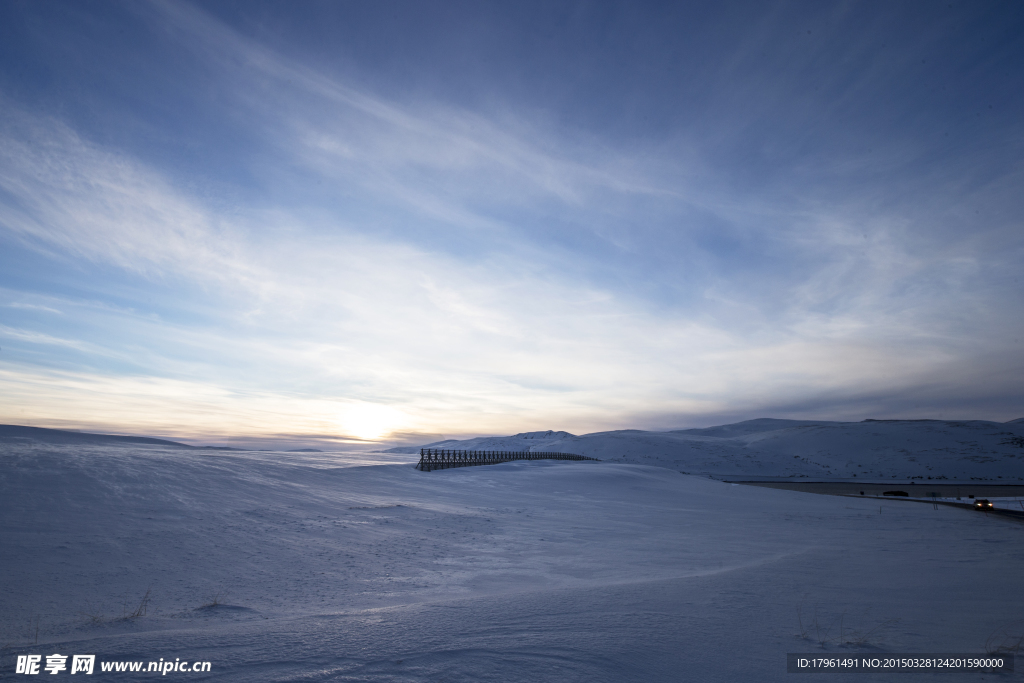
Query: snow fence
x=442, y=458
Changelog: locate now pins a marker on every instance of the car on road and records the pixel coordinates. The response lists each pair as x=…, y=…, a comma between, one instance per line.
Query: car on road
x=983, y=504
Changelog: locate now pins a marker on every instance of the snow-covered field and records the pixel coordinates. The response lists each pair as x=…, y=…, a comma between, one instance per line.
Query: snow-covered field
x=877, y=449
x=323, y=566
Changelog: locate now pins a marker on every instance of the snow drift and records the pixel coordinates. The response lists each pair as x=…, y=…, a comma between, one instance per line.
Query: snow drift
x=357, y=567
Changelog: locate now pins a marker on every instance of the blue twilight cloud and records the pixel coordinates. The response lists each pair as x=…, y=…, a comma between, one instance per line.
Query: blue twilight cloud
x=360, y=221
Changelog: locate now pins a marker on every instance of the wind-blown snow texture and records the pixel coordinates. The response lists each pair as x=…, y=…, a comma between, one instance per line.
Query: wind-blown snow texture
x=324, y=566
x=878, y=449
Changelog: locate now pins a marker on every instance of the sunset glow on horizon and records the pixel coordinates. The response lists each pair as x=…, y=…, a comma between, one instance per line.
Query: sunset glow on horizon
x=385, y=223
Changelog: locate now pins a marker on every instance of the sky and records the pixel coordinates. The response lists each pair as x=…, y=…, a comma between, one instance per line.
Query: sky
x=394, y=222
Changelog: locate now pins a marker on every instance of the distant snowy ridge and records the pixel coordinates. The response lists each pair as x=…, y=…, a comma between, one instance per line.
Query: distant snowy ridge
x=18, y=433
x=41, y=435
x=954, y=450
x=525, y=441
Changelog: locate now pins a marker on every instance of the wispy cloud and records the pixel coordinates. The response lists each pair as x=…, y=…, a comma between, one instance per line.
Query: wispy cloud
x=32, y=307
x=413, y=266
x=72, y=197
x=31, y=337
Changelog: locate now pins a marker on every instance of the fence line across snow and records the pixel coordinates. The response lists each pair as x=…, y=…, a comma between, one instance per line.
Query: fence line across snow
x=442, y=458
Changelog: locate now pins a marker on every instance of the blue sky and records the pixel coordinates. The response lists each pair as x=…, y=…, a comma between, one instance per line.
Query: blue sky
x=396, y=220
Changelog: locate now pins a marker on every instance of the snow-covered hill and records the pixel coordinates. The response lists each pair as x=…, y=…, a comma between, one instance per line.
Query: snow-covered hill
x=281, y=567
x=26, y=435
x=965, y=450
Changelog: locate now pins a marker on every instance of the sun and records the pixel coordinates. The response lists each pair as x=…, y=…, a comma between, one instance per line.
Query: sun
x=370, y=421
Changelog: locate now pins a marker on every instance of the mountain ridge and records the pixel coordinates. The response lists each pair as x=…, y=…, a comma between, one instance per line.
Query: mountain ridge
x=21, y=433
x=951, y=450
